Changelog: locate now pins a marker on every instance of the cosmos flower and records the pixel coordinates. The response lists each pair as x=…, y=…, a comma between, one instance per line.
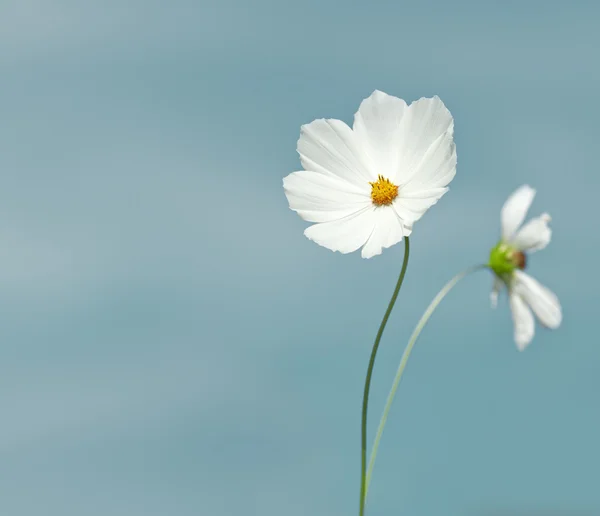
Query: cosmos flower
x=508, y=259
x=367, y=185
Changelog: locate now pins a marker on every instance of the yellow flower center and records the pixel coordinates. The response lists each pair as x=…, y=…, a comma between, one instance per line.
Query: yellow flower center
x=383, y=191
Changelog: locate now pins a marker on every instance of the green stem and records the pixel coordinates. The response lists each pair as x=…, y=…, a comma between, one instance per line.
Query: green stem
x=413, y=338
x=363, y=478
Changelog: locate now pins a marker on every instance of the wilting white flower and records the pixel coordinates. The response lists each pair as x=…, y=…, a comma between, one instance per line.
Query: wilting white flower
x=365, y=186
x=508, y=260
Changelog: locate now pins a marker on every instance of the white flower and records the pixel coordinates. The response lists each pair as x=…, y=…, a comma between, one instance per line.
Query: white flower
x=508, y=260
x=365, y=186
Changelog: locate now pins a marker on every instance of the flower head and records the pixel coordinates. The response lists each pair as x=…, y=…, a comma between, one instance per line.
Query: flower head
x=365, y=186
x=508, y=259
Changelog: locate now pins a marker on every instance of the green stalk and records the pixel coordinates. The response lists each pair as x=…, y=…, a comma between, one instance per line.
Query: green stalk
x=363, y=457
x=413, y=339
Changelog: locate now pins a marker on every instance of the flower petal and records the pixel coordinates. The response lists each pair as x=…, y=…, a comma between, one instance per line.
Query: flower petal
x=496, y=288
x=378, y=126
x=332, y=148
x=514, y=210
x=543, y=301
x=344, y=235
x=522, y=319
x=387, y=232
x=412, y=205
x=320, y=198
x=535, y=235
x=425, y=121
x=438, y=166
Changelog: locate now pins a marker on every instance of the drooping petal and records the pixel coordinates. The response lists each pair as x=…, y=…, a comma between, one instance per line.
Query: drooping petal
x=388, y=231
x=543, y=301
x=346, y=234
x=425, y=122
x=378, y=126
x=515, y=209
x=496, y=288
x=412, y=205
x=535, y=235
x=330, y=147
x=322, y=198
x=522, y=319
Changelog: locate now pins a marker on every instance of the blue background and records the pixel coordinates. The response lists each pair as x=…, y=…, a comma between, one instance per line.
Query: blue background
x=171, y=343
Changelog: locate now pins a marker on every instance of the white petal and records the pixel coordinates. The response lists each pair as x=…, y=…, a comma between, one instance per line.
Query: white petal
x=543, y=301
x=424, y=122
x=522, y=319
x=412, y=205
x=344, y=235
x=514, y=210
x=378, y=125
x=320, y=198
x=332, y=148
x=387, y=232
x=438, y=166
x=496, y=288
x=535, y=235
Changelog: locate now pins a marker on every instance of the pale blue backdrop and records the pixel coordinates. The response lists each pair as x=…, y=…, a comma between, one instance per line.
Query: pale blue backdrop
x=171, y=343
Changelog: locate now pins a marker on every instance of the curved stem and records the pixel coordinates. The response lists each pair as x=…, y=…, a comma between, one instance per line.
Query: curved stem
x=363, y=478
x=413, y=338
